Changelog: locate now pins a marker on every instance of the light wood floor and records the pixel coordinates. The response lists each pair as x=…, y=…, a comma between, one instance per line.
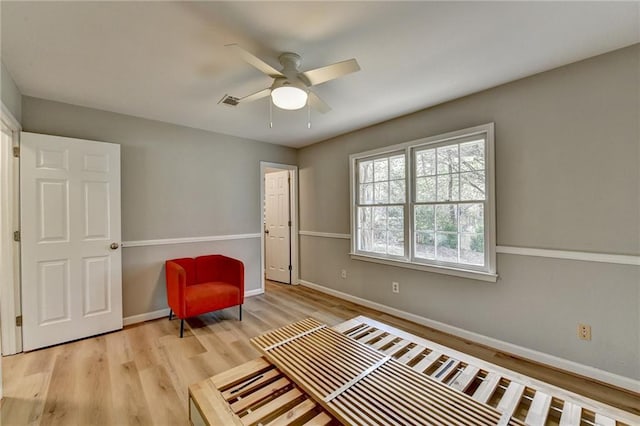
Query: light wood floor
x=140, y=375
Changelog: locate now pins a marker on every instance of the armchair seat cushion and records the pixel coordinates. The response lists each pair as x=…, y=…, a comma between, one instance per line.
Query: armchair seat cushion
x=207, y=297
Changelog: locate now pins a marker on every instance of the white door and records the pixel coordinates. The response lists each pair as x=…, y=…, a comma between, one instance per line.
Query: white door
x=70, y=231
x=278, y=230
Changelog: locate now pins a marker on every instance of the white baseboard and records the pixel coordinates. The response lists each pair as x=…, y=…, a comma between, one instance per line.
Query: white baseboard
x=148, y=316
x=541, y=357
x=256, y=292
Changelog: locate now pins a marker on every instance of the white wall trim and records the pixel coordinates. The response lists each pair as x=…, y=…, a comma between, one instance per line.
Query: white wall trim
x=9, y=119
x=162, y=313
x=10, y=281
x=620, y=259
x=541, y=357
x=148, y=316
x=571, y=255
x=254, y=292
x=325, y=235
x=186, y=240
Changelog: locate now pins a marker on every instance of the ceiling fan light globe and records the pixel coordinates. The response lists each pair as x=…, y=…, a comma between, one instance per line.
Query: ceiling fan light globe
x=289, y=97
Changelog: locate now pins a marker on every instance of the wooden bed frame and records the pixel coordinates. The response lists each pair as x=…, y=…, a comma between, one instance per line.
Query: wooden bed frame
x=366, y=372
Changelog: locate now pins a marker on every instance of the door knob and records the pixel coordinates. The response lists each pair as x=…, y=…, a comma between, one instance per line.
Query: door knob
x=114, y=246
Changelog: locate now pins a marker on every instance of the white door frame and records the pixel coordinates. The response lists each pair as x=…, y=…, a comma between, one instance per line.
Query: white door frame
x=293, y=190
x=10, y=289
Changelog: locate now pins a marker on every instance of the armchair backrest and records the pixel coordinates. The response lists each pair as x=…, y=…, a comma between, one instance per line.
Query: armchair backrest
x=217, y=267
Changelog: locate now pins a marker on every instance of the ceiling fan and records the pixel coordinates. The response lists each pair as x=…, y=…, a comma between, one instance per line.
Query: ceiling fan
x=290, y=87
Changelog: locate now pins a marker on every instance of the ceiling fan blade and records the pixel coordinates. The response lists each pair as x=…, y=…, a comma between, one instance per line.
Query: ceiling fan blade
x=255, y=96
x=317, y=103
x=256, y=62
x=330, y=72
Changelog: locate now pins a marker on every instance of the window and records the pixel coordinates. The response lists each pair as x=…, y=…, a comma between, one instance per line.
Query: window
x=428, y=204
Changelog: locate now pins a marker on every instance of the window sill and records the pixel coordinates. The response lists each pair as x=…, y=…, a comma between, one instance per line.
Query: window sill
x=474, y=275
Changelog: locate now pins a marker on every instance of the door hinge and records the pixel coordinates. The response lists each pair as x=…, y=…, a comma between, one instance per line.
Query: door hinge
x=16, y=151
x=19, y=321
x=289, y=223
x=290, y=267
x=16, y=235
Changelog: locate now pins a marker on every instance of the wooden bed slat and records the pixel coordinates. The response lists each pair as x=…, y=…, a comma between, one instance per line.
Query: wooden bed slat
x=511, y=398
x=465, y=378
x=294, y=414
x=486, y=389
x=539, y=409
x=571, y=414
x=268, y=409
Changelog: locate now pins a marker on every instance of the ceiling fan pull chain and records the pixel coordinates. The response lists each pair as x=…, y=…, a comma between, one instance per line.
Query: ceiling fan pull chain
x=308, y=115
x=270, y=114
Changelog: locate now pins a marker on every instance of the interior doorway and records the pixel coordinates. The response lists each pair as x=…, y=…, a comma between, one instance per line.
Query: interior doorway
x=279, y=222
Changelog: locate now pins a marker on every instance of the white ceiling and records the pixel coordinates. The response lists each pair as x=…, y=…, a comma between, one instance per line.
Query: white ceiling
x=167, y=61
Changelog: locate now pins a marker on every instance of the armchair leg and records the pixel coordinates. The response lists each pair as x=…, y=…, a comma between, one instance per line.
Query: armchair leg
x=240, y=312
x=170, y=314
x=181, y=328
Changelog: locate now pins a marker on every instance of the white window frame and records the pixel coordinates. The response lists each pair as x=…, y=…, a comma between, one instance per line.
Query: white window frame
x=484, y=273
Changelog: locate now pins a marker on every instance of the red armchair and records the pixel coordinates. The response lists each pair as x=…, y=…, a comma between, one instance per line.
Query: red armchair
x=204, y=284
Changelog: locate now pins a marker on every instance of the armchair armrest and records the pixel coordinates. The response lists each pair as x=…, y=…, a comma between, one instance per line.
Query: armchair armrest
x=176, y=278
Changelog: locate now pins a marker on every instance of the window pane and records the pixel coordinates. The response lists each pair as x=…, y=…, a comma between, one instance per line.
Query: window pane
x=425, y=189
x=472, y=186
x=448, y=186
x=447, y=246
x=426, y=162
x=396, y=167
x=365, y=220
x=395, y=216
x=381, y=192
x=397, y=191
x=380, y=218
x=365, y=239
x=380, y=170
x=396, y=243
x=471, y=218
x=366, y=193
x=425, y=245
x=472, y=155
x=472, y=249
x=447, y=159
x=366, y=171
x=447, y=218
x=379, y=241
x=424, y=218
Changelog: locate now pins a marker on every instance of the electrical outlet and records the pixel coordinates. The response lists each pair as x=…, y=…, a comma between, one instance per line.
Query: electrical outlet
x=343, y=274
x=584, y=332
x=395, y=287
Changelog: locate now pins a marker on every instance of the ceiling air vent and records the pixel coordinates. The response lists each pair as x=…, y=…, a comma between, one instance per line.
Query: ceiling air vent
x=229, y=100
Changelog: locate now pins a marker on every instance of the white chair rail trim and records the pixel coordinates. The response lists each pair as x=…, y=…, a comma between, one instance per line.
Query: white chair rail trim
x=186, y=240
x=325, y=235
x=620, y=259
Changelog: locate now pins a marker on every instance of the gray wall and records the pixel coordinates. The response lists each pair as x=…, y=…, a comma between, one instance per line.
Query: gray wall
x=176, y=182
x=11, y=97
x=567, y=171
